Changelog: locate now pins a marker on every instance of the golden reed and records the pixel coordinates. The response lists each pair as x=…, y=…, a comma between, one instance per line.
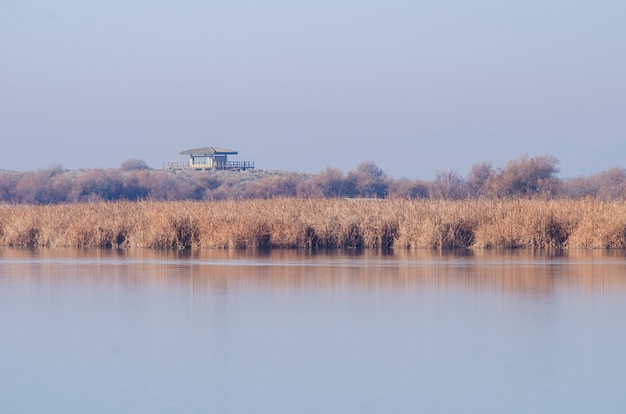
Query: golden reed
x=319, y=223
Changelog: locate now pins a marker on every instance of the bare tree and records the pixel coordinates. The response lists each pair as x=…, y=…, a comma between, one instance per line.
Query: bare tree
x=134, y=164
x=405, y=188
x=448, y=184
x=367, y=180
x=329, y=183
x=478, y=179
x=42, y=186
x=612, y=183
x=525, y=176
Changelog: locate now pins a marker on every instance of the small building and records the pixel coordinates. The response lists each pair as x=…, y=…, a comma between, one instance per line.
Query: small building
x=209, y=158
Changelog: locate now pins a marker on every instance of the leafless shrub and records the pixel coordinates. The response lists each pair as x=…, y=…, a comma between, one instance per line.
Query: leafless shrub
x=478, y=178
x=8, y=183
x=270, y=187
x=405, y=188
x=449, y=185
x=524, y=177
x=367, y=180
x=155, y=185
x=136, y=185
x=610, y=184
x=97, y=184
x=41, y=186
x=133, y=164
x=330, y=182
x=581, y=187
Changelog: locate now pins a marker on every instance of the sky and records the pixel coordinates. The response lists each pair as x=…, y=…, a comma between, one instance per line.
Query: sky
x=415, y=86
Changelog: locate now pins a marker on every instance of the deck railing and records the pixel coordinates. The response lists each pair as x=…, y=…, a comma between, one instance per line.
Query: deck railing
x=233, y=165
x=172, y=165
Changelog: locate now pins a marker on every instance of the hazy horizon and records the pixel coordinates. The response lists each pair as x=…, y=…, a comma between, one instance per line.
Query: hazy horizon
x=139, y=164
x=413, y=86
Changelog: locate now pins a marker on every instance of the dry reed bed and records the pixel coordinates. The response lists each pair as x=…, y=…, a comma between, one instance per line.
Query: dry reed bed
x=319, y=223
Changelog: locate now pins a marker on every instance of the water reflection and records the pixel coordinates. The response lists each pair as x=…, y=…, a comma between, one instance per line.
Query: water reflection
x=510, y=271
x=294, y=331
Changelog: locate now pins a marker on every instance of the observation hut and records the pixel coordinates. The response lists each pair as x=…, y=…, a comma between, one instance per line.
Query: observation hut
x=209, y=158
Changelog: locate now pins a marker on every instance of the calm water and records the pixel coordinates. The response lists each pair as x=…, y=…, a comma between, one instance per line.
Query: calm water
x=293, y=332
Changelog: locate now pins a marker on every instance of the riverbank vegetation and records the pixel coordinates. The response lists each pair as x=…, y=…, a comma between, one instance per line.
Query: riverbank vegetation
x=525, y=177
x=520, y=204
x=316, y=223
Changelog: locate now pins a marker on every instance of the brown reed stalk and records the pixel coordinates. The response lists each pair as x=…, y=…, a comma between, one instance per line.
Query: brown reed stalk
x=319, y=223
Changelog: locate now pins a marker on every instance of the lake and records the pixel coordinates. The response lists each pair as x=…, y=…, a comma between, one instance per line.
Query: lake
x=142, y=331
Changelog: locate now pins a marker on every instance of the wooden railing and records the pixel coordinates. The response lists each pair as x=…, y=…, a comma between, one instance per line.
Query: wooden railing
x=171, y=165
x=233, y=165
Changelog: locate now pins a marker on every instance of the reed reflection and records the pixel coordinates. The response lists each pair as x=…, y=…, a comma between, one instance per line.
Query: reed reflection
x=216, y=272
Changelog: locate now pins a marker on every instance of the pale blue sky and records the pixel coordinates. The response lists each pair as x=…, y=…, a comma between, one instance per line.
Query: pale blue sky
x=414, y=86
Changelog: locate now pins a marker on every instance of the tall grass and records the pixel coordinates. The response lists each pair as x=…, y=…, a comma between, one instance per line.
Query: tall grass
x=319, y=223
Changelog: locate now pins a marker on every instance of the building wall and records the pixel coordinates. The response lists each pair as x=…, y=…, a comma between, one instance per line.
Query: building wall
x=206, y=162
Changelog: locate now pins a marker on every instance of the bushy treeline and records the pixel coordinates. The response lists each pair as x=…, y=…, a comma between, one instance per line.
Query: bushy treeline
x=525, y=177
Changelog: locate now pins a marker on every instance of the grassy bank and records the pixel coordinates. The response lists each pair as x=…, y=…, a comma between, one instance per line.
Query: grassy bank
x=319, y=223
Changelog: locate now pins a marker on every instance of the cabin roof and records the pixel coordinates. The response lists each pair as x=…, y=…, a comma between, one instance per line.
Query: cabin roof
x=206, y=151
